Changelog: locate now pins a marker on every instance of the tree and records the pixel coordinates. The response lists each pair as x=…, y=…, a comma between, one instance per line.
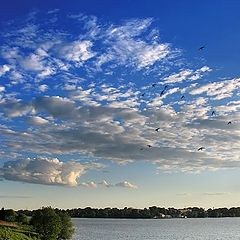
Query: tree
x=22, y=218
x=9, y=215
x=66, y=226
x=47, y=223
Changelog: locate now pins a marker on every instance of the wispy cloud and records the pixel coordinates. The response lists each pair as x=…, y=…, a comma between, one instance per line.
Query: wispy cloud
x=124, y=184
x=14, y=196
x=187, y=74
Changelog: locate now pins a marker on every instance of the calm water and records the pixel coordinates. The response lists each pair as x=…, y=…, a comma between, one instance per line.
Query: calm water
x=167, y=229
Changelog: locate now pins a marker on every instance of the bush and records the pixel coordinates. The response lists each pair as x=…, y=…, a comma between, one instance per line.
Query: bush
x=22, y=218
x=8, y=215
x=67, y=226
x=51, y=225
x=47, y=223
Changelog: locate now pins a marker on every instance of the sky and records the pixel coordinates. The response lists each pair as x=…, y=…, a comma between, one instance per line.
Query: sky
x=114, y=104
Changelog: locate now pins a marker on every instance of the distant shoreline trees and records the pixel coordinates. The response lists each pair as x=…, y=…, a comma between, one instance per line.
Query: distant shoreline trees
x=147, y=213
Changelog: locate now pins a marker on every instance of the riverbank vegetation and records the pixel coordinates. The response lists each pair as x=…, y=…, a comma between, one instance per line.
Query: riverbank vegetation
x=16, y=231
x=44, y=224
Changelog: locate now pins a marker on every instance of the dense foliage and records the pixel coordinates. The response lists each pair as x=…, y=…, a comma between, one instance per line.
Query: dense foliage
x=7, y=233
x=45, y=224
x=51, y=224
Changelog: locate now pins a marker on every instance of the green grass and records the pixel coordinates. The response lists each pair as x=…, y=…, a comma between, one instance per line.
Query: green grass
x=16, y=233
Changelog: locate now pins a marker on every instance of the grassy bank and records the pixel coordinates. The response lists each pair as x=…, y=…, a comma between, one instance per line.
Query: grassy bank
x=12, y=231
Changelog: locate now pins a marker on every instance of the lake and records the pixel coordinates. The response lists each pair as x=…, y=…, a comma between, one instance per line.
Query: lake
x=157, y=229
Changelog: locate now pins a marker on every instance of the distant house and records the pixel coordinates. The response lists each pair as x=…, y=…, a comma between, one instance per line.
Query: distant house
x=160, y=215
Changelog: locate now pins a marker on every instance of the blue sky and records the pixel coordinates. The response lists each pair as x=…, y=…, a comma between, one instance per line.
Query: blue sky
x=114, y=104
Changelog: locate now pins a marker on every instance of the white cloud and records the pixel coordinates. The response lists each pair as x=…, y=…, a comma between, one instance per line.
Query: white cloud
x=104, y=183
x=125, y=46
x=36, y=120
x=33, y=63
x=151, y=54
x=15, y=108
x=218, y=90
x=92, y=118
x=187, y=74
x=91, y=184
x=122, y=134
x=49, y=171
x=43, y=88
x=78, y=51
x=126, y=184
x=43, y=171
x=46, y=72
x=2, y=89
x=4, y=69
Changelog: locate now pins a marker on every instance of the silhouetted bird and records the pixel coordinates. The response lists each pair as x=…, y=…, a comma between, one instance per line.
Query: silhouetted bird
x=201, y=48
x=201, y=148
x=182, y=97
x=149, y=146
x=213, y=113
x=229, y=123
x=143, y=94
x=162, y=92
x=154, y=85
x=157, y=129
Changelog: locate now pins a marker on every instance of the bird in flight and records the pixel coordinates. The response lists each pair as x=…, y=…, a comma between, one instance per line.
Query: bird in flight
x=229, y=123
x=213, y=113
x=154, y=85
x=157, y=129
x=182, y=97
x=201, y=48
x=149, y=145
x=143, y=94
x=162, y=92
x=201, y=148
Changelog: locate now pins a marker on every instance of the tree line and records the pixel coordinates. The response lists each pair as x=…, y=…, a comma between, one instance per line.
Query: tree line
x=146, y=213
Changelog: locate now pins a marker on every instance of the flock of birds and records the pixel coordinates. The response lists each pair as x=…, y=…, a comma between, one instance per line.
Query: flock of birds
x=182, y=97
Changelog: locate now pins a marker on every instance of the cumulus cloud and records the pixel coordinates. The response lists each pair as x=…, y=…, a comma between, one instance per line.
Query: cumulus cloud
x=15, y=108
x=49, y=171
x=122, y=135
